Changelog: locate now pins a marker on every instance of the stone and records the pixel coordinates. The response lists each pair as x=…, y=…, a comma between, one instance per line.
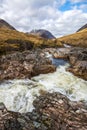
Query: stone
x=61, y=53
x=25, y=64
x=78, y=61
x=43, y=69
x=53, y=111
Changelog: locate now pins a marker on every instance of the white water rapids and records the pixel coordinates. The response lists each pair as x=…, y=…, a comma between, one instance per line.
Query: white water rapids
x=18, y=95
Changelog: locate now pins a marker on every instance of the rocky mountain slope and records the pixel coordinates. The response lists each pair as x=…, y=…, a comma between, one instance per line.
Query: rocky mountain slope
x=42, y=33
x=4, y=24
x=83, y=27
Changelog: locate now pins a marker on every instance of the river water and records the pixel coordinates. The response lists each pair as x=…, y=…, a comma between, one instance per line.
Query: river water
x=18, y=95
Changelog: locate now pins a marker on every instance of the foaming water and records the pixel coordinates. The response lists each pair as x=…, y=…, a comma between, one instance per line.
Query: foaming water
x=65, y=82
x=18, y=95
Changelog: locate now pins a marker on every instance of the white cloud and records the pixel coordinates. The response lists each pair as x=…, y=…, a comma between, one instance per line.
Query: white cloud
x=34, y=14
x=83, y=7
x=77, y=1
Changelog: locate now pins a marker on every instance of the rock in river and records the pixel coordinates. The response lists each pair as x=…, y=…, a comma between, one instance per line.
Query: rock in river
x=78, y=61
x=24, y=64
x=53, y=111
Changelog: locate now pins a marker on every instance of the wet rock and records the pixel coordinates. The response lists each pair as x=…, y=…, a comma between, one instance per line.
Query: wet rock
x=2, y=106
x=31, y=63
x=53, y=111
x=24, y=64
x=79, y=69
x=61, y=53
x=13, y=120
x=43, y=69
x=77, y=58
x=57, y=112
x=8, y=120
x=78, y=61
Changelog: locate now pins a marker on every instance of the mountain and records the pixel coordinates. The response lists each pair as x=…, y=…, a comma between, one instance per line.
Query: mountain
x=13, y=40
x=77, y=39
x=4, y=24
x=83, y=27
x=42, y=33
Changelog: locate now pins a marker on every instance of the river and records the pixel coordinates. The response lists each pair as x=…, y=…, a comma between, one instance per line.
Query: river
x=18, y=95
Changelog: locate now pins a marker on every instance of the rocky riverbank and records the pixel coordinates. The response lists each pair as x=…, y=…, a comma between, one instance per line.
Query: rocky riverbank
x=53, y=111
x=24, y=64
x=31, y=63
x=77, y=58
x=78, y=61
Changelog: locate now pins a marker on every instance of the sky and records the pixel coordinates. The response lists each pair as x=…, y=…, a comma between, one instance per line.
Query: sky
x=60, y=17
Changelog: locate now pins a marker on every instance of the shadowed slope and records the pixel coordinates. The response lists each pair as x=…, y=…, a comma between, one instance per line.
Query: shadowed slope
x=83, y=27
x=42, y=33
x=4, y=24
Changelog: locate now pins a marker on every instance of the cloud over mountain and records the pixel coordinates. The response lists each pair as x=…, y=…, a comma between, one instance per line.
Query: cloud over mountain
x=36, y=14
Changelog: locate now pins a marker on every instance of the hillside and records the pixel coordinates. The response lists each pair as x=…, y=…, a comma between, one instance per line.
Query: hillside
x=12, y=40
x=77, y=39
x=43, y=33
x=4, y=24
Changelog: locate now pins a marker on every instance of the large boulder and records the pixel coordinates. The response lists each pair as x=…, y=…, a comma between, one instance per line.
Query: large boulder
x=43, y=69
x=13, y=120
x=24, y=65
x=8, y=120
x=78, y=60
x=61, y=53
x=79, y=69
x=58, y=112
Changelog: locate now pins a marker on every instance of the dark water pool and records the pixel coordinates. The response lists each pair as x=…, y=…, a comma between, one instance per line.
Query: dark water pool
x=58, y=62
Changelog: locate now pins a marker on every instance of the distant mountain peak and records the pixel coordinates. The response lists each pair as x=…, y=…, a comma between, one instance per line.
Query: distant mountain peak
x=4, y=24
x=42, y=33
x=83, y=27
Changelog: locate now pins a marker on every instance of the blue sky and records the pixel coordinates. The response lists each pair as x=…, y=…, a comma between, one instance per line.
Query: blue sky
x=68, y=5
x=61, y=17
